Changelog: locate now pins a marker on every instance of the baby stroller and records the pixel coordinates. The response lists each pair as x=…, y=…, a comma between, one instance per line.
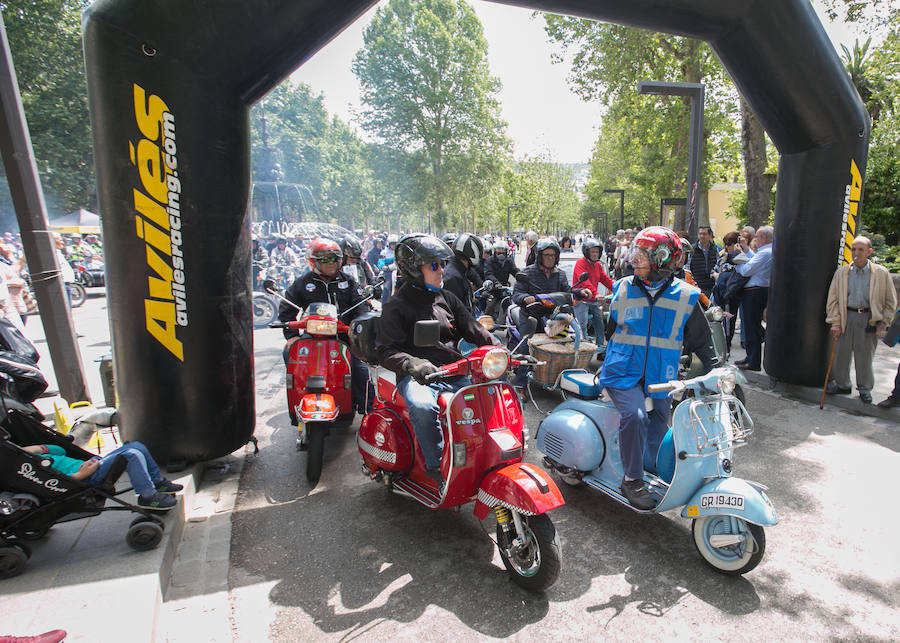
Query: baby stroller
x=34, y=497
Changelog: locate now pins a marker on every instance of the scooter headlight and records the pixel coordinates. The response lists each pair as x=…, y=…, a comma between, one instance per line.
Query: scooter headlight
x=727, y=382
x=715, y=313
x=321, y=327
x=494, y=363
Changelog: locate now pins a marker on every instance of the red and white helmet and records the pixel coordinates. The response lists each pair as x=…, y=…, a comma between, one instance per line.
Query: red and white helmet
x=662, y=246
x=320, y=249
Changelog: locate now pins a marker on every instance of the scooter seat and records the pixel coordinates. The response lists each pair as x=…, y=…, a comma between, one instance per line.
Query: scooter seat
x=580, y=384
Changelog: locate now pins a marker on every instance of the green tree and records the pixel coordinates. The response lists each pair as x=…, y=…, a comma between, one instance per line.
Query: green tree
x=643, y=144
x=45, y=40
x=545, y=193
x=427, y=90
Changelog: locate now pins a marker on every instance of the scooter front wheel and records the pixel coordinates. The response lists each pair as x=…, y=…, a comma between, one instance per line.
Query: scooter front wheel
x=730, y=545
x=534, y=562
x=315, y=453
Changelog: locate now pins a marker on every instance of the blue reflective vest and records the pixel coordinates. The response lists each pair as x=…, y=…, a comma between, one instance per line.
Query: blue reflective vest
x=648, y=339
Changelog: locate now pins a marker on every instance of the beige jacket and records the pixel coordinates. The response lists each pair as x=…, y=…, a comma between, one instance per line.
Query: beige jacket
x=882, y=297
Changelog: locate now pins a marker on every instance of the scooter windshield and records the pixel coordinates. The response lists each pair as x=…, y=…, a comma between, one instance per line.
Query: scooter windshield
x=321, y=310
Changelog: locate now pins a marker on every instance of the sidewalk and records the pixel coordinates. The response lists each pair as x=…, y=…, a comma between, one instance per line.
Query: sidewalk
x=885, y=367
x=84, y=578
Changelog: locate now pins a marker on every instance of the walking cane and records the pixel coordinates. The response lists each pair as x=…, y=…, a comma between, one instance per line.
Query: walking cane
x=828, y=372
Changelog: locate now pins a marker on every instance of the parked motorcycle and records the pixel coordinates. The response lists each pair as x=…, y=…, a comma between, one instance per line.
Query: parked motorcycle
x=265, y=305
x=89, y=272
x=693, y=466
x=318, y=378
x=483, y=449
x=21, y=381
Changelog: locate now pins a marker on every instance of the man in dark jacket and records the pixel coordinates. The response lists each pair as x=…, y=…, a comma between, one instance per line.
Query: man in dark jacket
x=325, y=283
x=420, y=259
x=459, y=275
x=703, y=260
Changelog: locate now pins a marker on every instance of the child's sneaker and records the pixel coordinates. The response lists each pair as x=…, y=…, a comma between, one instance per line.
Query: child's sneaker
x=167, y=486
x=157, y=502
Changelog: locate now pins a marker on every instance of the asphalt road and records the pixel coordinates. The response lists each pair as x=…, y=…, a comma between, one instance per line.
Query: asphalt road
x=346, y=559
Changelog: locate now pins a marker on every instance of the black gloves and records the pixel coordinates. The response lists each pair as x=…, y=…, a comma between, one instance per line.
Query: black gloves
x=419, y=368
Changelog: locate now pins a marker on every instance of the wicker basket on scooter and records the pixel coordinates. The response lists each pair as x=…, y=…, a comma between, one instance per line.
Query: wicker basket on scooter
x=560, y=355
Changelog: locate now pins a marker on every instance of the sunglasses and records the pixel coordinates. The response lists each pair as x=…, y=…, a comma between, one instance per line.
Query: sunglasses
x=438, y=264
x=329, y=259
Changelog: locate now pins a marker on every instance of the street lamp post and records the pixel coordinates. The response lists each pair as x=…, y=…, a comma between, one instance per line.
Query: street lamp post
x=696, y=93
x=508, y=208
x=621, y=204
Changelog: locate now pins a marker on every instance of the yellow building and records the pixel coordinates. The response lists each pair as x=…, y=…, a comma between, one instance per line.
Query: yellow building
x=718, y=202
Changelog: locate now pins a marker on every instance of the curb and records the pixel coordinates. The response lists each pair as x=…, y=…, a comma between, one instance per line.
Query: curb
x=850, y=403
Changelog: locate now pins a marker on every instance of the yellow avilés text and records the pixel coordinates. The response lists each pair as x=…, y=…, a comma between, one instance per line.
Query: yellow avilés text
x=851, y=214
x=157, y=208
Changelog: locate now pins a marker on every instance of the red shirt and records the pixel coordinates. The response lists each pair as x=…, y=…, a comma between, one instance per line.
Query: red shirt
x=596, y=274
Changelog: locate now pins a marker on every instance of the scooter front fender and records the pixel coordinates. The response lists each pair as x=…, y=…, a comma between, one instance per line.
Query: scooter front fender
x=522, y=487
x=731, y=497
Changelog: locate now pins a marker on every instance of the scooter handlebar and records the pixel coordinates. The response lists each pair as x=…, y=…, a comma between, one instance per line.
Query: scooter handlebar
x=665, y=386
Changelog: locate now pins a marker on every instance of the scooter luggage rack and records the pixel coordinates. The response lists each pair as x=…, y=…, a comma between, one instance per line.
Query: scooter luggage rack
x=730, y=437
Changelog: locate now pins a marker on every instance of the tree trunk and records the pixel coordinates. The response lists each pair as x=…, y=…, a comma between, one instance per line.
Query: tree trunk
x=759, y=185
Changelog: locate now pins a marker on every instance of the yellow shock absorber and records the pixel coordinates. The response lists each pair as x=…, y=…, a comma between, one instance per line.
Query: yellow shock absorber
x=502, y=514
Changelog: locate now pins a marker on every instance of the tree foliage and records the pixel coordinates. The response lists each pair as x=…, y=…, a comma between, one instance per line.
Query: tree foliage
x=427, y=90
x=643, y=143
x=45, y=41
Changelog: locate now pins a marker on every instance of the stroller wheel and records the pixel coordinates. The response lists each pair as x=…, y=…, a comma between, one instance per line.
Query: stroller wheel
x=12, y=561
x=144, y=535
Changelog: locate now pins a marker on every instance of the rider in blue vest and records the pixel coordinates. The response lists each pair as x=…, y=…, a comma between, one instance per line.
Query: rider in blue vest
x=652, y=316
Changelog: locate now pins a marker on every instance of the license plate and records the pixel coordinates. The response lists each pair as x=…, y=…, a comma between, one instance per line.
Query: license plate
x=722, y=501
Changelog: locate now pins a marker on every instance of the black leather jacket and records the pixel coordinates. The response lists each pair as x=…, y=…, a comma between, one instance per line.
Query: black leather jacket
x=413, y=303
x=342, y=291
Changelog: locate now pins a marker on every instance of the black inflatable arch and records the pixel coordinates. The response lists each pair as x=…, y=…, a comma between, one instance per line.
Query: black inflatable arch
x=170, y=88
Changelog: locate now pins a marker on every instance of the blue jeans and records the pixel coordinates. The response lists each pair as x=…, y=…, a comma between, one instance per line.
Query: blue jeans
x=592, y=309
x=142, y=469
x=421, y=402
x=640, y=432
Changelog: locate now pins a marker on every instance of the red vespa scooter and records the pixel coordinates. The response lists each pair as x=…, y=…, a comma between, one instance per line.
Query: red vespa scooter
x=482, y=460
x=318, y=380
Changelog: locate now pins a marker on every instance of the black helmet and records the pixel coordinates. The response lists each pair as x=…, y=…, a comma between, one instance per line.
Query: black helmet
x=350, y=246
x=587, y=245
x=544, y=244
x=413, y=250
x=448, y=238
x=468, y=246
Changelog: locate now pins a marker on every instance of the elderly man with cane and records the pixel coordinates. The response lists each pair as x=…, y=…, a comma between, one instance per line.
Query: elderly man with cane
x=861, y=303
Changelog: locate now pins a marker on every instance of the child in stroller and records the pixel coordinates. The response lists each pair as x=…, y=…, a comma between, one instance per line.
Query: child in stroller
x=45, y=479
x=154, y=491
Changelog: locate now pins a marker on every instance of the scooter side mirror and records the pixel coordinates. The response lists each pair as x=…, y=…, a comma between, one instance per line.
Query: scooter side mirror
x=427, y=332
x=531, y=325
x=269, y=284
x=581, y=279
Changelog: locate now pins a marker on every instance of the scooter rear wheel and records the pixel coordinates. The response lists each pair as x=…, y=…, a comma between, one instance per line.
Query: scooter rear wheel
x=535, y=565
x=731, y=560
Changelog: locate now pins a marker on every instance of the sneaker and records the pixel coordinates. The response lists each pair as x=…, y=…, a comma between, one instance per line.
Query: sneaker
x=636, y=494
x=890, y=402
x=834, y=389
x=157, y=502
x=866, y=397
x=435, y=474
x=167, y=486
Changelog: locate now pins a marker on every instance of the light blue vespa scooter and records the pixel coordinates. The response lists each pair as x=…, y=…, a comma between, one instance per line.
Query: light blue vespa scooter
x=580, y=442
